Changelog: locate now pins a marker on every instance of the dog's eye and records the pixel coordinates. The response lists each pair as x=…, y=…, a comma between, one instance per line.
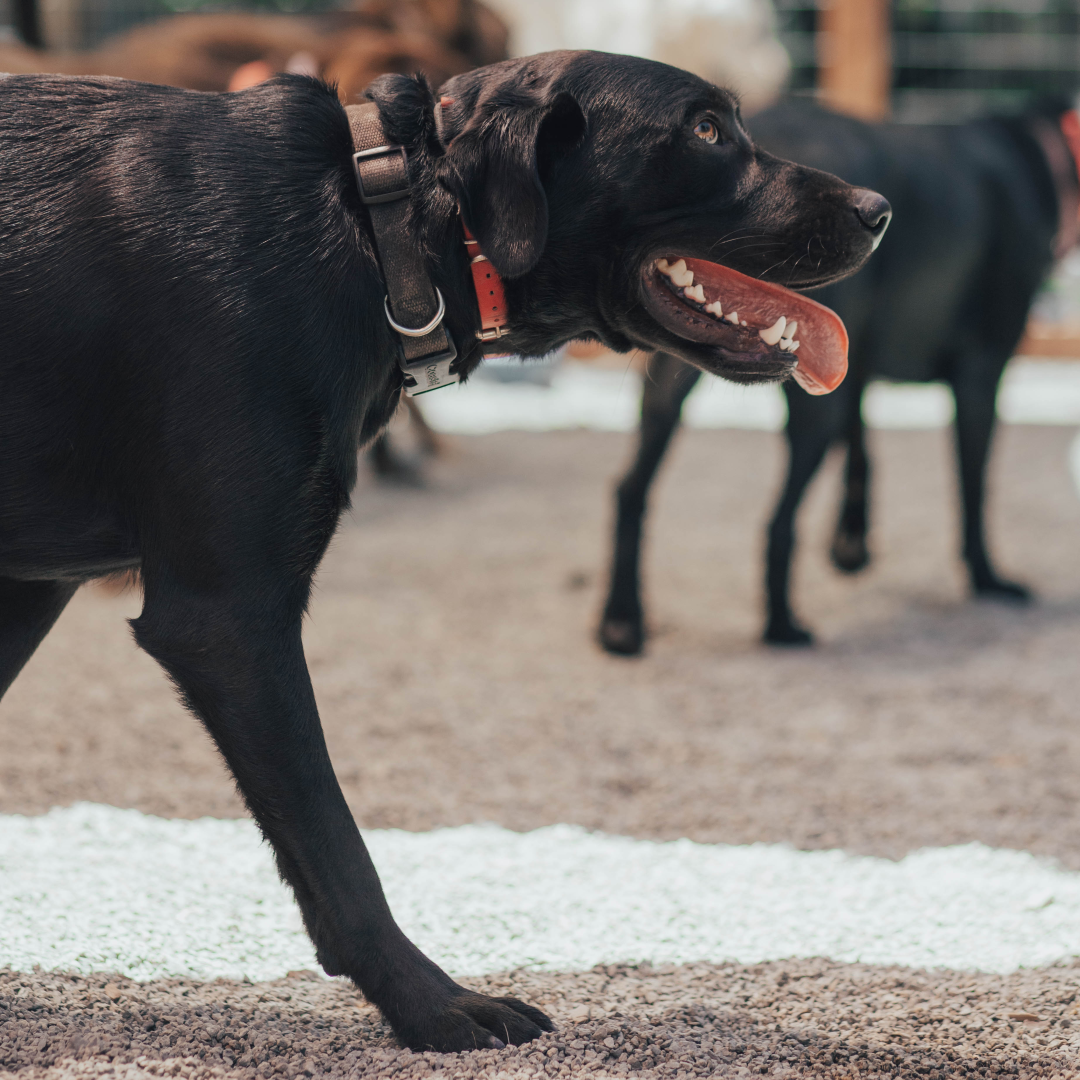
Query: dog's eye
x=706, y=130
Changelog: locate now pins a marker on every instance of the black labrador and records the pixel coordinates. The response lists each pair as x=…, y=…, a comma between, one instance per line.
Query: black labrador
x=193, y=347
x=982, y=208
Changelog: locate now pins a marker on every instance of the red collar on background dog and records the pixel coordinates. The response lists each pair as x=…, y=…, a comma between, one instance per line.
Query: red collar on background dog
x=1069, y=230
x=490, y=296
x=1061, y=149
x=1069, y=123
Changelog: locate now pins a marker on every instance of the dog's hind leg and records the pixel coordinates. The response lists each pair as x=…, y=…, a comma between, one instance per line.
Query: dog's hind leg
x=666, y=385
x=813, y=424
x=849, y=552
x=975, y=395
x=235, y=654
x=28, y=610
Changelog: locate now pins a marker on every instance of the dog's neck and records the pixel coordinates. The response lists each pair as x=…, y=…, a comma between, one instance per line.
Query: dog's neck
x=475, y=299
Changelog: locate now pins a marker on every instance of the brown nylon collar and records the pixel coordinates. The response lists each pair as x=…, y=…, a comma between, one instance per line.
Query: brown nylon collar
x=414, y=307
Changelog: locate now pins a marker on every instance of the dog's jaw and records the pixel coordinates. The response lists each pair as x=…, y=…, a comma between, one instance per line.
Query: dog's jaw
x=751, y=324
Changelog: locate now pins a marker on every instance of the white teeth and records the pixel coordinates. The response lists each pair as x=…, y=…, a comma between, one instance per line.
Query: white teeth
x=696, y=293
x=732, y=317
x=715, y=309
x=742, y=322
x=679, y=275
x=793, y=346
x=774, y=333
x=677, y=272
x=789, y=331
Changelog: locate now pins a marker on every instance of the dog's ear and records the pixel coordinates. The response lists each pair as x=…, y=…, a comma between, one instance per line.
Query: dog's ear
x=496, y=167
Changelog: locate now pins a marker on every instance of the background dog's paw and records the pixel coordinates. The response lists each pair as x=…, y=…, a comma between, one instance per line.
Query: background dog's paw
x=849, y=552
x=476, y=1022
x=995, y=588
x=623, y=637
x=787, y=633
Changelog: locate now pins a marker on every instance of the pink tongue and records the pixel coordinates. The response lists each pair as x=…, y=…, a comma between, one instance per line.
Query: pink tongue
x=823, y=339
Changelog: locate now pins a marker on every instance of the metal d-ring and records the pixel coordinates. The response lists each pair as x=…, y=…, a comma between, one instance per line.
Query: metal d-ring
x=422, y=331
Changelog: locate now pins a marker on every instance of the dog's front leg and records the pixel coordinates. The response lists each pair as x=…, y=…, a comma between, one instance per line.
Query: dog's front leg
x=240, y=666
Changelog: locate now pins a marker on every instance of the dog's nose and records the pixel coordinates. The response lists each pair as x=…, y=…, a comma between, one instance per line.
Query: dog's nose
x=874, y=212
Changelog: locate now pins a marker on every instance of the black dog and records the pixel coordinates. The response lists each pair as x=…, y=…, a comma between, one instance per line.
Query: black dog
x=193, y=347
x=946, y=297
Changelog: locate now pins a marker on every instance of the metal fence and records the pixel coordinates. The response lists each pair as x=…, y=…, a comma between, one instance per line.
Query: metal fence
x=951, y=58
x=955, y=58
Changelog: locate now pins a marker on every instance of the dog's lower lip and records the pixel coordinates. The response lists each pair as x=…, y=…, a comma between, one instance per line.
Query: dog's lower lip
x=686, y=295
x=775, y=340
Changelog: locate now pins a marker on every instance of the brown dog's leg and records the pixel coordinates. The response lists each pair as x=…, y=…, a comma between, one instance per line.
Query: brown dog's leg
x=237, y=658
x=666, y=385
x=28, y=610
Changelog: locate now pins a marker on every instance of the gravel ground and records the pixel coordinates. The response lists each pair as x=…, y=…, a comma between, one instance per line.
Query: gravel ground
x=450, y=645
x=794, y=1018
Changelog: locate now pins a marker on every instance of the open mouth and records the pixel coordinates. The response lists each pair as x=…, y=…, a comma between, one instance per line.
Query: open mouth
x=769, y=331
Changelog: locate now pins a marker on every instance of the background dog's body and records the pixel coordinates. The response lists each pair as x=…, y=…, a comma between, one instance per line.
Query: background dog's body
x=193, y=346
x=947, y=297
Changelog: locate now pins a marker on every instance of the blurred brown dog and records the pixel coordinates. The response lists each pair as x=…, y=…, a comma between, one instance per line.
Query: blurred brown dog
x=352, y=47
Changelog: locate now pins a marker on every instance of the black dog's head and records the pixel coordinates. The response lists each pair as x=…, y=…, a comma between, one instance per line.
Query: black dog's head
x=623, y=200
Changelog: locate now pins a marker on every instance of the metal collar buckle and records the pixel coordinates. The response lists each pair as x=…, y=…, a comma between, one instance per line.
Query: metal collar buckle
x=389, y=196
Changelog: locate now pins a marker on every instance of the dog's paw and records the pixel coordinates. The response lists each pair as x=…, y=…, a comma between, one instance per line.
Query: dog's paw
x=787, y=633
x=623, y=637
x=849, y=552
x=995, y=588
x=471, y=1021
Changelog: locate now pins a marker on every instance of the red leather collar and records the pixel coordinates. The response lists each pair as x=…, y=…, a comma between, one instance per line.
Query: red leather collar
x=490, y=296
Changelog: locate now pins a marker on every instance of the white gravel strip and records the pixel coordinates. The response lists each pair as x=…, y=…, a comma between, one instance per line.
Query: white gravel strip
x=581, y=396
x=95, y=888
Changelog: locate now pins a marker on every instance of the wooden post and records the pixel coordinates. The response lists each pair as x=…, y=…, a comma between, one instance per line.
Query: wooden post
x=855, y=57
x=27, y=23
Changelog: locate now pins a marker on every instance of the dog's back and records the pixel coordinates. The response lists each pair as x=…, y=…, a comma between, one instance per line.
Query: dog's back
x=123, y=209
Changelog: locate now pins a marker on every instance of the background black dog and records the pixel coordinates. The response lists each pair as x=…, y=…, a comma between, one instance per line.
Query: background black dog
x=981, y=209
x=193, y=347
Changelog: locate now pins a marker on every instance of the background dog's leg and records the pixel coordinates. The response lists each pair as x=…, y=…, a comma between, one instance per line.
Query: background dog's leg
x=28, y=610
x=239, y=663
x=666, y=385
x=849, y=551
x=975, y=397
x=813, y=423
